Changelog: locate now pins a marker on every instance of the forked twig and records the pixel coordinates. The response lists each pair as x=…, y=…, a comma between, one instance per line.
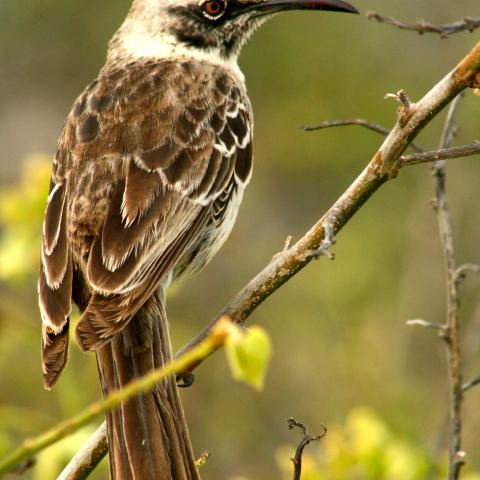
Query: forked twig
x=307, y=438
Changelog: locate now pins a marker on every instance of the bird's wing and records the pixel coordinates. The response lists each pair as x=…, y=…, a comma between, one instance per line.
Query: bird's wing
x=174, y=138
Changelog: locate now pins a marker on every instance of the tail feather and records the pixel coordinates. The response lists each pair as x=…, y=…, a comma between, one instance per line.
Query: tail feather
x=54, y=354
x=148, y=436
x=118, y=457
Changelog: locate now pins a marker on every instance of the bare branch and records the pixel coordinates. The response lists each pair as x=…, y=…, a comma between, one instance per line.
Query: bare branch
x=375, y=127
x=445, y=226
x=384, y=165
x=297, y=460
x=88, y=457
x=344, y=123
x=442, y=154
x=467, y=24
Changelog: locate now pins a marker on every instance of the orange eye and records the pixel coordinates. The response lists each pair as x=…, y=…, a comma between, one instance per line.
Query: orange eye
x=213, y=9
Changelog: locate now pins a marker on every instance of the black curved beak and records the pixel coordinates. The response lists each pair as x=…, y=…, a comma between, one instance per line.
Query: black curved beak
x=273, y=6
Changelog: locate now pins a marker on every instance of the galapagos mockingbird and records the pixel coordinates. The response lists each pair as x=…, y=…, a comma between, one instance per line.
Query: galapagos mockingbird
x=146, y=182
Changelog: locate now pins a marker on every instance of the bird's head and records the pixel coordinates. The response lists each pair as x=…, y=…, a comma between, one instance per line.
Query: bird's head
x=219, y=27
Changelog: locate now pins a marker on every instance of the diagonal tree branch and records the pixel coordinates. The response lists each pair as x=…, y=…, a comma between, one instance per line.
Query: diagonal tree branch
x=384, y=166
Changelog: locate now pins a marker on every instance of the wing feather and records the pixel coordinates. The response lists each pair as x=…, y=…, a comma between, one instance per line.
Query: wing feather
x=105, y=316
x=53, y=215
x=54, y=354
x=55, y=303
x=55, y=261
x=141, y=188
x=147, y=168
x=55, y=278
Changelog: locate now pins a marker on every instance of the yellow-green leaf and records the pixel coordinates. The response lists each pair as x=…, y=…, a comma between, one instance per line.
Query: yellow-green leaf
x=248, y=354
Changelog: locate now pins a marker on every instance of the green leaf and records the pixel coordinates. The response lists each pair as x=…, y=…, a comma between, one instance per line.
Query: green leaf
x=248, y=354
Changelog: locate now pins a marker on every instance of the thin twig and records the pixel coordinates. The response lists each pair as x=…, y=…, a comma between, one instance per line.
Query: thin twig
x=442, y=154
x=452, y=324
x=462, y=271
x=297, y=459
x=407, y=108
x=141, y=385
x=471, y=383
x=418, y=322
x=375, y=127
x=467, y=24
x=362, y=122
x=380, y=169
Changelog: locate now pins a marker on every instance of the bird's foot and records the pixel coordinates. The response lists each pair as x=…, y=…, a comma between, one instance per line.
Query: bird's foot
x=186, y=380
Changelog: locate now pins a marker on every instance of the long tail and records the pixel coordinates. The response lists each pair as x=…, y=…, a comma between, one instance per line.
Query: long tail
x=147, y=436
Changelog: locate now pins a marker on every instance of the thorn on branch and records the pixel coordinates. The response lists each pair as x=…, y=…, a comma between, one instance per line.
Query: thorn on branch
x=327, y=243
x=286, y=246
x=407, y=108
x=288, y=243
x=470, y=384
x=297, y=460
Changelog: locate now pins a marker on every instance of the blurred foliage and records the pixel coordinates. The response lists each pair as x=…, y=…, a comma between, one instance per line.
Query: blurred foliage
x=338, y=328
x=55, y=458
x=365, y=448
x=21, y=212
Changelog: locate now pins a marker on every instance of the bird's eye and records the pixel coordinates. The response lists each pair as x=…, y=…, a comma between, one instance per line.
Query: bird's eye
x=213, y=9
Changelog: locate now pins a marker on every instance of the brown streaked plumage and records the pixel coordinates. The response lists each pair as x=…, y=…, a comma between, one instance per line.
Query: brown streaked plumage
x=146, y=182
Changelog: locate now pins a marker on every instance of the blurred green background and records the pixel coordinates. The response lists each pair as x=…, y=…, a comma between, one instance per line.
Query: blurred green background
x=342, y=353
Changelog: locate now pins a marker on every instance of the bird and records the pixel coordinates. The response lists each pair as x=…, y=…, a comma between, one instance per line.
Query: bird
x=147, y=178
